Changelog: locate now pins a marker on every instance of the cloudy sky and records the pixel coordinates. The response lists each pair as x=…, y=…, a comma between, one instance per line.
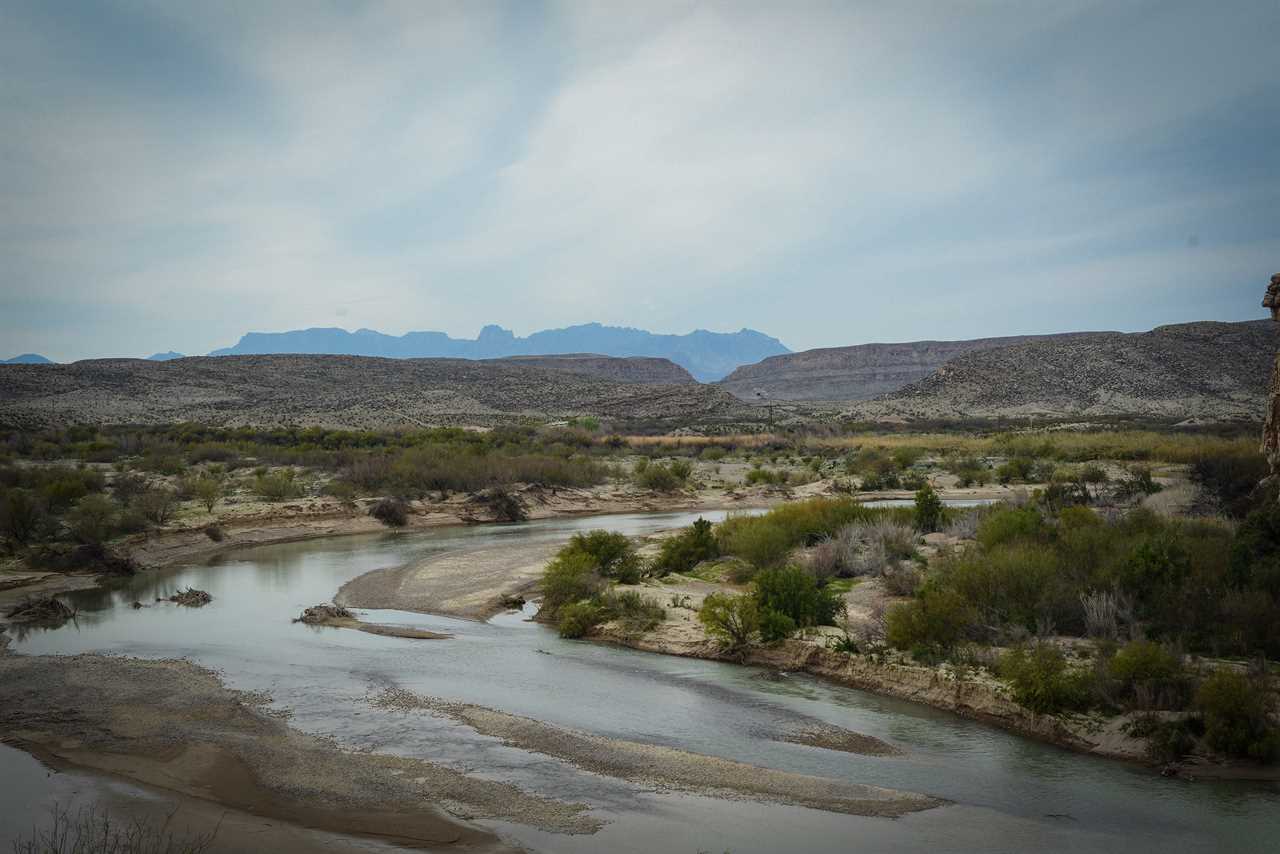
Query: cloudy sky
x=175, y=174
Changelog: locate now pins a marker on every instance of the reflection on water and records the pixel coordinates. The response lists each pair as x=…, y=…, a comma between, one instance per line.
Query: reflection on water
x=1008, y=793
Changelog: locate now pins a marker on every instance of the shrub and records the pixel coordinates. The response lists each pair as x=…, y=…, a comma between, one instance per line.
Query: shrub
x=936, y=621
x=687, y=549
x=569, y=577
x=1151, y=675
x=929, y=510
x=635, y=612
x=757, y=476
x=1236, y=712
x=22, y=517
x=391, y=512
x=504, y=505
x=1167, y=741
x=343, y=491
x=793, y=592
x=1005, y=524
x=732, y=620
x=1018, y=469
x=577, y=619
x=276, y=487
x=157, y=505
x=93, y=520
x=1042, y=681
x=207, y=490
x=776, y=626
x=658, y=477
x=605, y=548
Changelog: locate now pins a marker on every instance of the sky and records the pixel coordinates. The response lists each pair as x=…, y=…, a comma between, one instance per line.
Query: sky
x=173, y=175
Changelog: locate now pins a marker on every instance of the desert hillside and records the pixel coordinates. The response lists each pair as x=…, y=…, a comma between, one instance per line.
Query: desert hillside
x=348, y=391
x=1192, y=370
x=858, y=372
x=623, y=369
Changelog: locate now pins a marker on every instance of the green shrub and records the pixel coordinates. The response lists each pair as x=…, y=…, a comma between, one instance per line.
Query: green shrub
x=569, y=577
x=794, y=593
x=1016, y=470
x=276, y=487
x=577, y=619
x=636, y=613
x=207, y=490
x=734, y=621
x=659, y=478
x=687, y=549
x=929, y=510
x=606, y=548
x=1236, y=712
x=757, y=476
x=1042, y=681
x=776, y=626
x=1006, y=524
x=1144, y=661
x=937, y=621
x=93, y=519
x=1167, y=740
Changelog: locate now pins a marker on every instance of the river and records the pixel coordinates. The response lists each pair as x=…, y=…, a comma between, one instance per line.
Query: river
x=1007, y=793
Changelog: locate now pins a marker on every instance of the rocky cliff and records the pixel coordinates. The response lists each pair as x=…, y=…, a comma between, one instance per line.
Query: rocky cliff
x=1271, y=431
x=1203, y=370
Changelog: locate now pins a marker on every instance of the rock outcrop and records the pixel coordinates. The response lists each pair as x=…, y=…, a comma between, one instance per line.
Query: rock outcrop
x=1271, y=431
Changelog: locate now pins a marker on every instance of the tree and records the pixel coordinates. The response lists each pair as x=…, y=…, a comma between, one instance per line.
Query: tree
x=207, y=491
x=732, y=620
x=93, y=519
x=929, y=510
x=157, y=505
x=21, y=515
x=794, y=592
x=391, y=512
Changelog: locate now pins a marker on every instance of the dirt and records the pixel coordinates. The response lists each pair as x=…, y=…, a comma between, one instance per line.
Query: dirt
x=469, y=583
x=173, y=724
x=665, y=767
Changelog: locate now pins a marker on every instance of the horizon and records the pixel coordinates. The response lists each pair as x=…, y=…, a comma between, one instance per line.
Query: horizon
x=827, y=174
x=518, y=336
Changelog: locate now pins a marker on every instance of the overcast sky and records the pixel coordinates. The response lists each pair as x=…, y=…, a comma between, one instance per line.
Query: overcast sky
x=175, y=174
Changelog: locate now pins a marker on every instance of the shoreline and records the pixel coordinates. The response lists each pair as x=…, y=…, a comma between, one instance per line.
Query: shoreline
x=930, y=688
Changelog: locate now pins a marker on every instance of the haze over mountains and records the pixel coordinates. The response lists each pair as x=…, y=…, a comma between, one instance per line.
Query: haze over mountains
x=708, y=356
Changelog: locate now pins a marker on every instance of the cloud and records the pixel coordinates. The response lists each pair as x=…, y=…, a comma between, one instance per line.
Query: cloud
x=829, y=173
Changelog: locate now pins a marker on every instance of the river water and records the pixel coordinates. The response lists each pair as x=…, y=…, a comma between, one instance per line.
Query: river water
x=1007, y=793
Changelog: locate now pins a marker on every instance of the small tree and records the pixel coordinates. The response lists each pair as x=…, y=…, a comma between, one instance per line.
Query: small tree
x=732, y=620
x=93, y=519
x=21, y=515
x=929, y=510
x=391, y=512
x=207, y=490
x=157, y=505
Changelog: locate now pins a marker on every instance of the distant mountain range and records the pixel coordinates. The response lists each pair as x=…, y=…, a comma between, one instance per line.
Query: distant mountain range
x=27, y=359
x=708, y=356
x=164, y=357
